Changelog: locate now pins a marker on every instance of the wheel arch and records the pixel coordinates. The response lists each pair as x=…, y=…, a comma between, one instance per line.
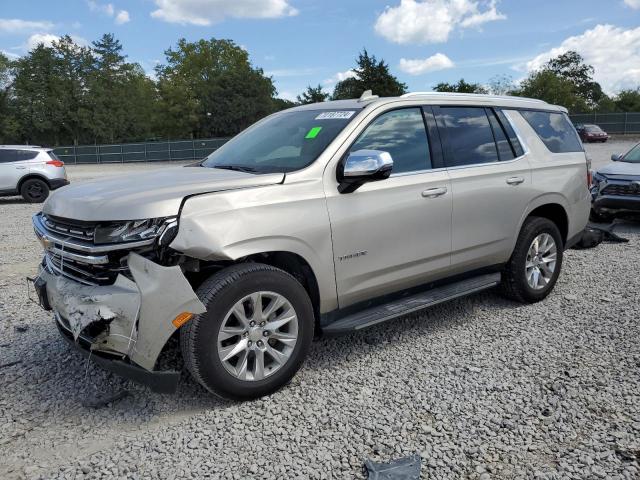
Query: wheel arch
x=30, y=176
x=553, y=207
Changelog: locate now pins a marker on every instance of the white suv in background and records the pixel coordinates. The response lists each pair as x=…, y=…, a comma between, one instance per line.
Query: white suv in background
x=30, y=171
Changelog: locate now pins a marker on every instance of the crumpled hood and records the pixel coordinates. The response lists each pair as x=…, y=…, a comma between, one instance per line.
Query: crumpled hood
x=624, y=169
x=158, y=193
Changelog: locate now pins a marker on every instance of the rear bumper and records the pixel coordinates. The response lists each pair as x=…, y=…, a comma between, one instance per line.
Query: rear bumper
x=157, y=381
x=56, y=183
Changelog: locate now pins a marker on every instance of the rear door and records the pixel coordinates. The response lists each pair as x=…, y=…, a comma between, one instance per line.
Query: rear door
x=11, y=170
x=490, y=181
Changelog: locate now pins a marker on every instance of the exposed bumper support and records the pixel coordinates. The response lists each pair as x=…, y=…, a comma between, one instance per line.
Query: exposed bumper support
x=131, y=320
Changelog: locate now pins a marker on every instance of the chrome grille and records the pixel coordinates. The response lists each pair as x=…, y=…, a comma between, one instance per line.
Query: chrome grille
x=80, y=230
x=84, y=273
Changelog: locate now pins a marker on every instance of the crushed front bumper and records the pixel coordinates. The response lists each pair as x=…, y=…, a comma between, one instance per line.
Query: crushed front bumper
x=125, y=325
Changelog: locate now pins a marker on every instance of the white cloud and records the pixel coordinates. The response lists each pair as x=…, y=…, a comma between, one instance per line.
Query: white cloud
x=15, y=25
x=614, y=53
x=291, y=72
x=633, y=3
x=432, y=21
x=122, y=17
x=206, y=12
x=436, y=62
x=340, y=76
x=108, y=8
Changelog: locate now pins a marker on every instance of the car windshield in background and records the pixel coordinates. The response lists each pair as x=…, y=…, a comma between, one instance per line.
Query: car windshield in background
x=633, y=156
x=283, y=143
x=593, y=129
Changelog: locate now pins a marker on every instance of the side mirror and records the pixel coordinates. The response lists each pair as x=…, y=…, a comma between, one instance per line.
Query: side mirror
x=616, y=157
x=363, y=166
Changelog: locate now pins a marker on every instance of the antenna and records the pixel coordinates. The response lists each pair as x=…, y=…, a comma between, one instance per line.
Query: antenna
x=366, y=96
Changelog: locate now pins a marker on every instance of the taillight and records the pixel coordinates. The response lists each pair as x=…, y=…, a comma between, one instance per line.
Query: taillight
x=56, y=163
x=589, y=178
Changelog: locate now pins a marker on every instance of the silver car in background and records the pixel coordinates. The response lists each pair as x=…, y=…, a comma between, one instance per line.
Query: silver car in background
x=30, y=171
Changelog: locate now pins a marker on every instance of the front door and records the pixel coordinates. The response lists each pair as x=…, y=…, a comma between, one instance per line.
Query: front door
x=396, y=233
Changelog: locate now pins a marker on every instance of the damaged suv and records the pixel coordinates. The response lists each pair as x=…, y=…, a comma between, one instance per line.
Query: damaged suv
x=319, y=220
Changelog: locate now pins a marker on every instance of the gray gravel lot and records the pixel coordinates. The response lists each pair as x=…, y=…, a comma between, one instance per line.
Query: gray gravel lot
x=482, y=387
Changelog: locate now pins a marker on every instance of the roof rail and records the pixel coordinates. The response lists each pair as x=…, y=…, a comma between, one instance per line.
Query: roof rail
x=366, y=96
x=471, y=95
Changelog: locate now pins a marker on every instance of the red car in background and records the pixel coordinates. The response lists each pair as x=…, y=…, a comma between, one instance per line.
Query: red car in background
x=592, y=133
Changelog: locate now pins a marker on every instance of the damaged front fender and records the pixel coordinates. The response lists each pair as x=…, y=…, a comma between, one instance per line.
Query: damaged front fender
x=129, y=318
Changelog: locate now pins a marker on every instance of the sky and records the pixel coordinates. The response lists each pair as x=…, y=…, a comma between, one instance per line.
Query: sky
x=306, y=42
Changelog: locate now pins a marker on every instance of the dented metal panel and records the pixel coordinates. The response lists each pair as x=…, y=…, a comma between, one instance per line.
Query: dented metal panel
x=136, y=316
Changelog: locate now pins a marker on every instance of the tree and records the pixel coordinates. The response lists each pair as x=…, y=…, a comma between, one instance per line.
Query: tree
x=571, y=67
x=628, y=101
x=8, y=125
x=461, y=86
x=552, y=88
x=501, y=85
x=370, y=74
x=313, y=95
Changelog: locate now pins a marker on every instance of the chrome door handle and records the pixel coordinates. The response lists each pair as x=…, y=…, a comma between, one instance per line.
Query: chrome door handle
x=515, y=180
x=434, y=192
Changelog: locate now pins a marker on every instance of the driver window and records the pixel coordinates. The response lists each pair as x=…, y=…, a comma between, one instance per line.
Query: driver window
x=402, y=133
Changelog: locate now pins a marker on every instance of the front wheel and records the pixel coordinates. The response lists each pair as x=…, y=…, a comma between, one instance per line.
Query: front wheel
x=255, y=334
x=534, y=266
x=34, y=190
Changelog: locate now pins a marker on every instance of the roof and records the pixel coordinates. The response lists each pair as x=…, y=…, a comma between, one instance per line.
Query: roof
x=25, y=147
x=437, y=98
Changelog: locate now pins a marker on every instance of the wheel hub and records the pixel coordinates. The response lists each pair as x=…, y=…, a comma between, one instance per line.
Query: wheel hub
x=541, y=261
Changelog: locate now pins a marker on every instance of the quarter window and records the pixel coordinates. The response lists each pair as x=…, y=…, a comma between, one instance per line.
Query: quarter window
x=505, y=152
x=401, y=133
x=468, y=134
x=555, y=130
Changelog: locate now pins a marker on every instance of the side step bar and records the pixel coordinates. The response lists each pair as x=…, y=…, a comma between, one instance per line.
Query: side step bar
x=397, y=308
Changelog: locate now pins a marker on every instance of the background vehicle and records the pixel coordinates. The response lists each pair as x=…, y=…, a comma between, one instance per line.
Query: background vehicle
x=591, y=133
x=322, y=219
x=616, y=187
x=30, y=171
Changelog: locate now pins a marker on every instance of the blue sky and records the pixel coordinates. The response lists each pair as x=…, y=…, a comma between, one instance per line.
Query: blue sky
x=302, y=42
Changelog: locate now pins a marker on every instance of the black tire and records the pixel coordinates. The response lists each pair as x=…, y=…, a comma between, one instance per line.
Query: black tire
x=514, y=280
x=219, y=293
x=596, y=217
x=34, y=190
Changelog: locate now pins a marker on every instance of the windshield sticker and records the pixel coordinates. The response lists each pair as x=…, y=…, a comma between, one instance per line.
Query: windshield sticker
x=335, y=115
x=313, y=133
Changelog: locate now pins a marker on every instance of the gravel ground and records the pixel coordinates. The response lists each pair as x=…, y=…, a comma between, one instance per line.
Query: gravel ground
x=481, y=387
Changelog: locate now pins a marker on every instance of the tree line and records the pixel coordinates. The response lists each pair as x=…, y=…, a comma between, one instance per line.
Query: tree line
x=67, y=93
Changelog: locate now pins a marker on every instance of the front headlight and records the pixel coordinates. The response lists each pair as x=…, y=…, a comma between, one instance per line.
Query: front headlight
x=130, y=231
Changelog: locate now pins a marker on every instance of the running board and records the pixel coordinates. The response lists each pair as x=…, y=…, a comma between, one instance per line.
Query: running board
x=397, y=308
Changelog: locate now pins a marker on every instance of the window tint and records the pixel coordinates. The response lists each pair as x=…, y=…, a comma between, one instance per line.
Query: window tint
x=504, y=147
x=555, y=130
x=468, y=135
x=25, y=155
x=7, y=156
x=401, y=133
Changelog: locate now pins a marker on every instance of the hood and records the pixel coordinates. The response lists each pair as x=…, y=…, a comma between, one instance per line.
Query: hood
x=158, y=193
x=622, y=169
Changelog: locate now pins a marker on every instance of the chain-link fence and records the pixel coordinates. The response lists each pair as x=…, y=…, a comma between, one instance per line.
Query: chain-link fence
x=619, y=123
x=178, y=150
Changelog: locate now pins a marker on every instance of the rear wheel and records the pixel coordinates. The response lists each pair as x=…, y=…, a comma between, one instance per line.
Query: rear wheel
x=34, y=190
x=255, y=334
x=534, y=266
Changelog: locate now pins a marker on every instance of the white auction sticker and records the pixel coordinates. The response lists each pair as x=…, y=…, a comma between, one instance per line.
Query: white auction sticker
x=335, y=115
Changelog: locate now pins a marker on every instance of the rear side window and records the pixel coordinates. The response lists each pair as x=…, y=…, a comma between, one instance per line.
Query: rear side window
x=505, y=152
x=555, y=130
x=468, y=135
x=22, y=155
x=402, y=133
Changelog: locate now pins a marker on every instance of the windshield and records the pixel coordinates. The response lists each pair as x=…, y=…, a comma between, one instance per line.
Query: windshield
x=283, y=143
x=633, y=155
x=593, y=129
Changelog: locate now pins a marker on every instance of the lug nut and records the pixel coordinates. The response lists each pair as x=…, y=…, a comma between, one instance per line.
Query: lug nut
x=260, y=343
x=245, y=334
x=266, y=333
x=252, y=323
x=249, y=343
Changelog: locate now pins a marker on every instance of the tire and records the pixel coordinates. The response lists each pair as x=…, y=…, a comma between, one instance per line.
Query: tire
x=594, y=216
x=34, y=190
x=515, y=283
x=202, y=347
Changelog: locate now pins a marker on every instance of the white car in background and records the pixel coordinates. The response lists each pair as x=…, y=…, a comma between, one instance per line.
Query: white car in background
x=30, y=171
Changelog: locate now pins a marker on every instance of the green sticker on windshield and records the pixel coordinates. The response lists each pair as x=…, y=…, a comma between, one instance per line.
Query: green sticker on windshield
x=313, y=133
